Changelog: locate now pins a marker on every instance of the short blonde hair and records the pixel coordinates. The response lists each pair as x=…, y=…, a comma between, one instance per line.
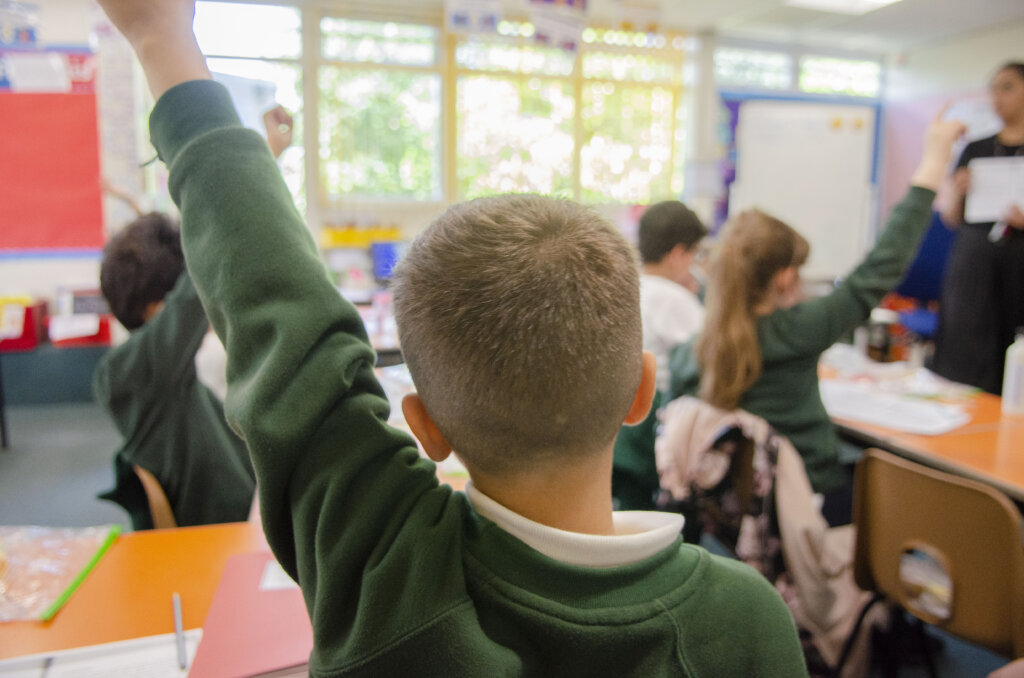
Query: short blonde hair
x=519, y=318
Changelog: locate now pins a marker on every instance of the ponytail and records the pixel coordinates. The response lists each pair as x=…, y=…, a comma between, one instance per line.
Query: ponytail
x=755, y=247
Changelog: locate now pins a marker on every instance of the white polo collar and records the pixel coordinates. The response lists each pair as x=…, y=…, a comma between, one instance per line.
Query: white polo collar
x=639, y=534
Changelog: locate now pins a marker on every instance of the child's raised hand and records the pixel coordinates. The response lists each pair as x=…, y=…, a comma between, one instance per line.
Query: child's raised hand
x=280, y=128
x=962, y=181
x=942, y=134
x=938, y=148
x=160, y=32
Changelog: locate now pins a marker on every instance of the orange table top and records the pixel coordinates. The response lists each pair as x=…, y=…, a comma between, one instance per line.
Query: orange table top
x=990, y=448
x=128, y=594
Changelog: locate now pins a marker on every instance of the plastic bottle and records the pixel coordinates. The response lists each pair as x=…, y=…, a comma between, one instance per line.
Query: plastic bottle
x=1013, y=376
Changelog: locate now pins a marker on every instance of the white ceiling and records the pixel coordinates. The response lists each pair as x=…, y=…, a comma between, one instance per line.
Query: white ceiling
x=893, y=28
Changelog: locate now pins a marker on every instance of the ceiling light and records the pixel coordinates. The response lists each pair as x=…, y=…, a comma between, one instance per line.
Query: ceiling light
x=841, y=6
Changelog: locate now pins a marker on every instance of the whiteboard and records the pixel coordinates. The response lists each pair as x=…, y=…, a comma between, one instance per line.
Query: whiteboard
x=809, y=164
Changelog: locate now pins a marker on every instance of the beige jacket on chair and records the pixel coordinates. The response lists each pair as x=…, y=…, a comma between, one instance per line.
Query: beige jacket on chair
x=820, y=591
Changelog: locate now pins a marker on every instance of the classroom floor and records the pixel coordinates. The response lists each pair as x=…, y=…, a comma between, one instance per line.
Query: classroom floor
x=60, y=457
x=58, y=460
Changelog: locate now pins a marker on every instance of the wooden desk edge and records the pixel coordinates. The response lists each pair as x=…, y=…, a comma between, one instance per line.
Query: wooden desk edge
x=928, y=459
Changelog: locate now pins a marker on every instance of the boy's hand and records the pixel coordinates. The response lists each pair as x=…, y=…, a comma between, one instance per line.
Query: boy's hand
x=280, y=129
x=160, y=32
x=938, y=148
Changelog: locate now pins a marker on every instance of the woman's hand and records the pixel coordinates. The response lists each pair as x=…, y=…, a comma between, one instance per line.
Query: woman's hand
x=1014, y=217
x=962, y=181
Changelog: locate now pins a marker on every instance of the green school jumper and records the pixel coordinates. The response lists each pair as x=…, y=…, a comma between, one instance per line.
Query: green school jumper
x=173, y=426
x=401, y=577
x=793, y=339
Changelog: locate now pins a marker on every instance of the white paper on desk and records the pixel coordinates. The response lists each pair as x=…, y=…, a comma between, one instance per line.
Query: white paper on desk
x=996, y=184
x=275, y=578
x=74, y=326
x=860, y=402
x=149, y=657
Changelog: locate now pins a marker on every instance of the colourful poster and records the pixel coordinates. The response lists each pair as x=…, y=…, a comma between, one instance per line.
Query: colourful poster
x=19, y=24
x=49, y=164
x=559, y=23
x=47, y=71
x=472, y=16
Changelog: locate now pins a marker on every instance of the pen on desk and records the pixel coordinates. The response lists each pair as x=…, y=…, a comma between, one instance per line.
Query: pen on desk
x=179, y=632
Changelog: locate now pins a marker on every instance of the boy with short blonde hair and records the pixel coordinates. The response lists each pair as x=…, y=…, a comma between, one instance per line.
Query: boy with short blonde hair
x=509, y=310
x=494, y=346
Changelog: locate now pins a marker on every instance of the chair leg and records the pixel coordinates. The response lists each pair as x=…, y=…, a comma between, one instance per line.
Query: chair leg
x=929, y=660
x=886, y=648
x=852, y=638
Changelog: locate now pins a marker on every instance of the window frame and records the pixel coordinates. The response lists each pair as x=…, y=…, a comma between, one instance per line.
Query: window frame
x=322, y=208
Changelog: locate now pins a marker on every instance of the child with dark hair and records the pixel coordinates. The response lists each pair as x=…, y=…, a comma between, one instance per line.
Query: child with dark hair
x=668, y=238
x=174, y=428
x=140, y=266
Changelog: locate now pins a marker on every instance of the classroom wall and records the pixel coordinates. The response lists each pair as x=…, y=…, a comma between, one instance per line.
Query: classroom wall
x=70, y=23
x=65, y=22
x=919, y=82
x=61, y=23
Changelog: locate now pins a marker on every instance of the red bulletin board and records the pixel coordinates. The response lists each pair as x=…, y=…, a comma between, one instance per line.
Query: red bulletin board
x=50, y=195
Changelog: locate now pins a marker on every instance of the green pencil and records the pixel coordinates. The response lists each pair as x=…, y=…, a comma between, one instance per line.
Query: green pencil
x=48, y=613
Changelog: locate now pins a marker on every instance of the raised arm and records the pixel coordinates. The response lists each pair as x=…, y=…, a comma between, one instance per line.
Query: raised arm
x=814, y=325
x=162, y=349
x=160, y=32
x=333, y=477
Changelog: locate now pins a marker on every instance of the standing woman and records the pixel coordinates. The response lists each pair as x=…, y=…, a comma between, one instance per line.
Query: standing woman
x=983, y=292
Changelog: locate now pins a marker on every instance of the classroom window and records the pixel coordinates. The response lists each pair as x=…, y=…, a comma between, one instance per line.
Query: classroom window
x=629, y=133
x=735, y=67
x=514, y=135
x=599, y=126
x=629, y=39
x=379, y=111
x=380, y=134
x=602, y=124
x=257, y=31
x=638, y=67
x=495, y=55
x=828, y=75
x=378, y=42
x=259, y=64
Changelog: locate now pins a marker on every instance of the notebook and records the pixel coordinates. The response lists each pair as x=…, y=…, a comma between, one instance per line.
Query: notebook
x=257, y=624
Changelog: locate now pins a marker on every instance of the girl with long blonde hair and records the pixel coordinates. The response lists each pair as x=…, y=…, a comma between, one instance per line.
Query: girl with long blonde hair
x=761, y=342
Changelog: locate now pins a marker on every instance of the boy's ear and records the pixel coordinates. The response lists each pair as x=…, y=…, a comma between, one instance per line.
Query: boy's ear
x=679, y=250
x=152, y=308
x=423, y=427
x=641, y=406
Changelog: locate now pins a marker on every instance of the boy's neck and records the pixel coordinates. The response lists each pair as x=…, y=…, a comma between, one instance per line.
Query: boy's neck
x=574, y=497
x=662, y=270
